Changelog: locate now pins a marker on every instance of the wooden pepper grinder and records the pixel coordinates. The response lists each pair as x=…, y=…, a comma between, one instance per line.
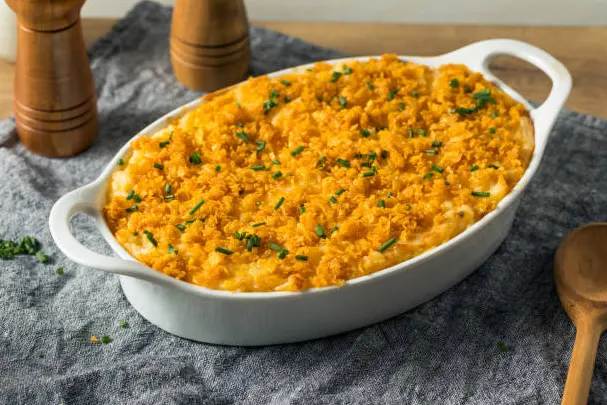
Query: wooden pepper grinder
x=55, y=103
x=209, y=43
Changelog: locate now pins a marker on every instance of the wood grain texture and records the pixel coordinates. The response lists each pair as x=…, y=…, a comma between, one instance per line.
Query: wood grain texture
x=209, y=43
x=54, y=95
x=580, y=275
x=581, y=49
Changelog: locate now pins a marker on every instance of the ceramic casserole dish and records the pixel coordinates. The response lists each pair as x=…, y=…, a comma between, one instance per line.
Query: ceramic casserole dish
x=262, y=318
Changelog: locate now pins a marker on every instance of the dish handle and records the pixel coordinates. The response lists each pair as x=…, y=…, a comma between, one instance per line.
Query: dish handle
x=82, y=200
x=479, y=55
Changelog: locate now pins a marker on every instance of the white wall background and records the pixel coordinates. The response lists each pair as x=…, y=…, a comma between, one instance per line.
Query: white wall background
x=507, y=12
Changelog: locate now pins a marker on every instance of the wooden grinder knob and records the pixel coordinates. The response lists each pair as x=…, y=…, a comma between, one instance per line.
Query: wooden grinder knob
x=209, y=43
x=55, y=103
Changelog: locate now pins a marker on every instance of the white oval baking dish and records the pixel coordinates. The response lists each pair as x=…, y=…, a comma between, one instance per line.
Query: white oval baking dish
x=251, y=319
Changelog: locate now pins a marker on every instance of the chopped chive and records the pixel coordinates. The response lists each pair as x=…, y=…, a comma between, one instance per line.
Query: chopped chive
x=372, y=156
x=365, y=132
x=279, y=203
x=285, y=83
x=496, y=114
x=437, y=169
x=369, y=174
x=319, y=98
x=283, y=253
x=467, y=88
x=347, y=70
x=169, y=197
x=422, y=132
x=195, y=158
x=134, y=208
x=137, y=198
x=387, y=244
x=158, y=166
x=167, y=188
x=381, y=204
x=366, y=164
x=163, y=144
x=297, y=150
x=196, y=207
x=277, y=175
x=431, y=152
x=258, y=203
x=343, y=162
x=369, y=85
x=320, y=232
x=481, y=194
x=223, y=250
x=462, y=111
x=502, y=347
x=105, y=339
x=401, y=107
x=150, y=237
x=217, y=168
x=384, y=154
x=389, y=194
x=60, y=271
x=120, y=162
x=130, y=195
x=41, y=257
x=190, y=221
x=340, y=191
x=287, y=99
x=474, y=168
x=342, y=101
x=172, y=250
x=180, y=227
x=243, y=135
x=321, y=162
x=333, y=200
x=454, y=83
x=411, y=133
x=301, y=257
x=437, y=144
x=335, y=76
x=493, y=166
x=275, y=162
x=447, y=183
x=275, y=247
x=334, y=229
x=414, y=93
x=428, y=175
x=261, y=145
x=259, y=168
x=359, y=155
x=302, y=209
x=124, y=324
x=258, y=224
x=392, y=93
x=492, y=130
x=239, y=124
x=238, y=105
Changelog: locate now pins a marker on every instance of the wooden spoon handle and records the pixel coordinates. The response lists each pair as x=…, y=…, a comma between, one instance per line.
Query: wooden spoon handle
x=581, y=366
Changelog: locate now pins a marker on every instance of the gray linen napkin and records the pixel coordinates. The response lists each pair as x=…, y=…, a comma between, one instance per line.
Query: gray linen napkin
x=499, y=337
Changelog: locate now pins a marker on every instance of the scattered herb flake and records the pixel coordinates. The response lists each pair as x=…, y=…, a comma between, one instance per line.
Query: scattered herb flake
x=301, y=258
x=365, y=133
x=387, y=244
x=474, y=168
x=481, y=194
x=123, y=324
x=428, y=175
x=195, y=158
x=120, y=162
x=243, y=135
x=437, y=144
x=437, y=169
x=392, y=93
x=342, y=101
x=381, y=204
x=105, y=339
x=196, y=207
x=158, y=166
x=258, y=224
x=347, y=70
x=369, y=85
x=279, y=203
x=172, y=250
x=130, y=195
x=223, y=250
x=335, y=76
x=60, y=271
x=340, y=191
x=320, y=231
x=297, y=150
x=454, y=83
x=277, y=175
x=150, y=237
x=285, y=83
x=343, y=162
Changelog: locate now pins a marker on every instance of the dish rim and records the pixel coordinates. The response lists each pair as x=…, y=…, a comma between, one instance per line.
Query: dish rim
x=542, y=119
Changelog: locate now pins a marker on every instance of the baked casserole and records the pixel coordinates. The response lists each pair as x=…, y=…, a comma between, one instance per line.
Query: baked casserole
x=319, y=176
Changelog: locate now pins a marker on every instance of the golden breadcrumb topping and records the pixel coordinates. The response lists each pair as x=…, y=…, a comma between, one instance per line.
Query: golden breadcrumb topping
x=318, y=176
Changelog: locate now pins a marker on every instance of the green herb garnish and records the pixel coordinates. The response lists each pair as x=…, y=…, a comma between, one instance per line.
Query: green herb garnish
x=431, y=152
x=134, y=208
x=41, y=257
x=180, y=227
x=217, y=168
x=150, y=237
x=483, y=97
x=59, y=271
x=130, y=195
x=428, y=175
x=493, y=166
x=243, y=135
x=196, y=207
x=275, y=247
x=392, y=93
x=335, y=76
x=384, y=154
x=340, y=191
x=195, y=158
x=120, y=162
x=105, y=339
x=123, y=324
x=437, y=169
x=369, y=85
x=422, y=132
x=302, y=209
x=492, y=130
x=320, y=231
x=401, y=107
x=414, y=93
x=297, y=150
x=137, y=198
x=342, y=101
x=365, y=133
x=223, y=250
x=474, y=168
x=163, y=144
x=301, y=257
x=172, y=250
x=158, y=166
x=259, y=168
x=279, y=203
x=277, y=175
x=285, y=83
x=381, y=204
x=258, y=224
x=343, y=162
x=454, y=83
x=437, y=144
x=332, y=200
x=169, y=197
x=481, y=194
x=386, y=245
x=167, y=188
x=347, y=70
x=283, y=253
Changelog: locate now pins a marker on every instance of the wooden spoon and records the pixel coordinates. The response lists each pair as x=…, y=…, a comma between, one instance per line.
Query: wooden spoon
x=580, y=272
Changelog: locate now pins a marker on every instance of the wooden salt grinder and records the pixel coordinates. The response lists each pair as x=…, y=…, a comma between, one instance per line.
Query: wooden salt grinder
x=209, y=43
x=54, y=102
